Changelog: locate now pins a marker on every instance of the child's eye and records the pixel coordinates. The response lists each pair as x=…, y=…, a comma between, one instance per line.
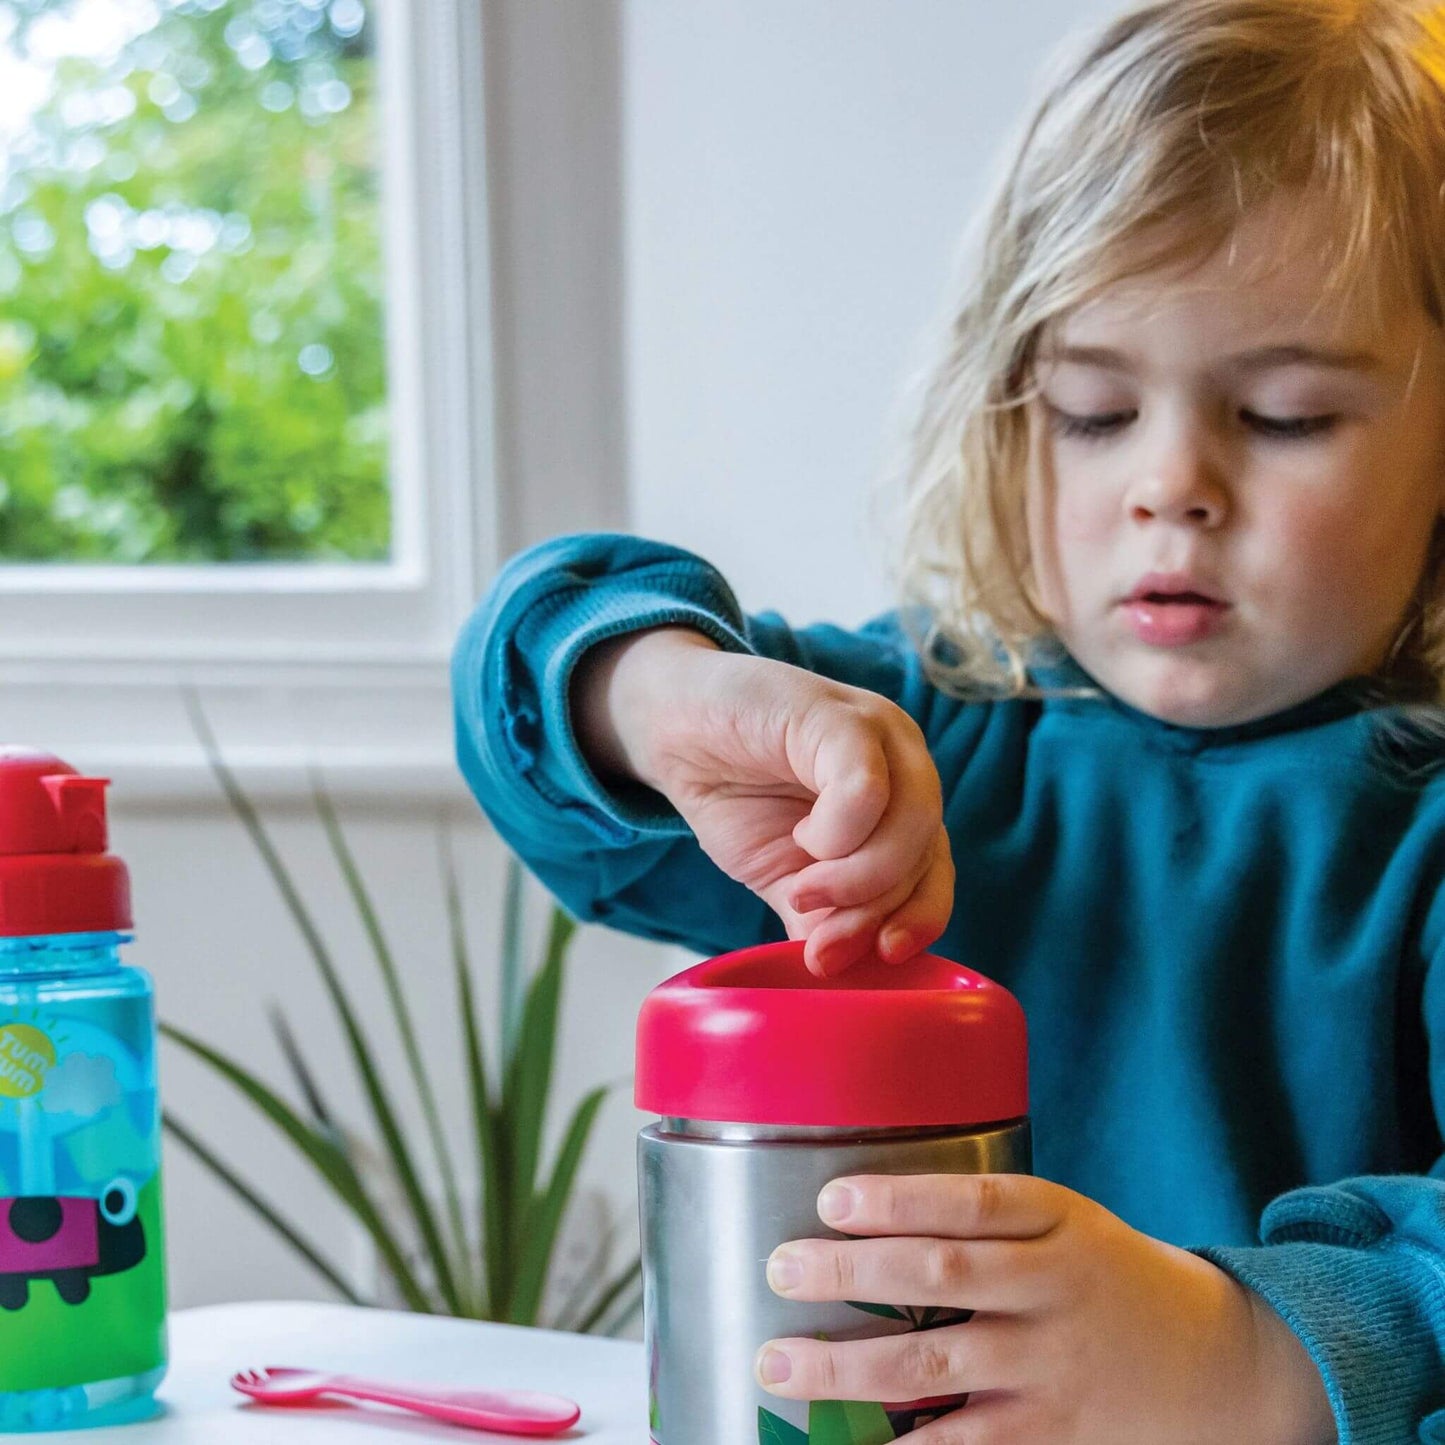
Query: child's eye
x=1289, y=428
x=1100, y=424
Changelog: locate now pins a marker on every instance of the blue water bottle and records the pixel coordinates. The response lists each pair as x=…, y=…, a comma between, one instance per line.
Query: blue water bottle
x=82, y=1257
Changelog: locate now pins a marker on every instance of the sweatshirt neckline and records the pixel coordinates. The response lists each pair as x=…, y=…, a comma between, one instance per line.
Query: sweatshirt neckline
x=1061, y=681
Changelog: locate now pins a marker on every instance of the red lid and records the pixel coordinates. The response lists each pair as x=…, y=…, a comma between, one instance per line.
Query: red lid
x=55, y=875
x=753, y=1037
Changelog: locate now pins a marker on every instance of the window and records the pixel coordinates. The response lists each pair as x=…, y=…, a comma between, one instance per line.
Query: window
x=191, y=358
x=245, y=418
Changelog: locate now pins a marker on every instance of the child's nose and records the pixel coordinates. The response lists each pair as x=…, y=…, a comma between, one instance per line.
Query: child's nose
x=1183, y=490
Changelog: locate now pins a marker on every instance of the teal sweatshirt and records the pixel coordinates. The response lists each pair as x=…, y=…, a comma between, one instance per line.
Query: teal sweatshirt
x=1229, y=942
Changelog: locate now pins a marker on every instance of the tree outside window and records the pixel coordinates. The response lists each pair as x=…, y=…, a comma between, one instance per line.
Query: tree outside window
x=192, y=362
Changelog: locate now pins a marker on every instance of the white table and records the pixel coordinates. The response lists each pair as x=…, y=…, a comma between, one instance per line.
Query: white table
x=606, y=1377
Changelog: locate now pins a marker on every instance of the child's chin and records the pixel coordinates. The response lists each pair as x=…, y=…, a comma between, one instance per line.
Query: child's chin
x=1189, y=693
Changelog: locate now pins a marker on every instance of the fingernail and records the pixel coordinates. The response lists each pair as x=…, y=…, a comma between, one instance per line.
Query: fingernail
x=836, y=1203
x=807, y=902
x=785, y=1270
x=773, y=1366
x=894, y=943
x=836, y=956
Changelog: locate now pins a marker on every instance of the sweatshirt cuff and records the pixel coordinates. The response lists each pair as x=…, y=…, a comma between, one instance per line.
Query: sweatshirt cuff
x=1362, y=1310
x=536, y=722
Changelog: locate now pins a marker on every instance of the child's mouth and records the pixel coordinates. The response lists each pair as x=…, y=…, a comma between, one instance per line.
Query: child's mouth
x=1174, y=619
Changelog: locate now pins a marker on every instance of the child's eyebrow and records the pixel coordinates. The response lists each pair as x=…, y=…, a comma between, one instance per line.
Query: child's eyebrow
x=1295, y=354
x=1260, y=358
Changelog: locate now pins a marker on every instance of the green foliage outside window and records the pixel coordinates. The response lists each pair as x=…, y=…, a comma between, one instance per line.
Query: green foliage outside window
x=191, y=353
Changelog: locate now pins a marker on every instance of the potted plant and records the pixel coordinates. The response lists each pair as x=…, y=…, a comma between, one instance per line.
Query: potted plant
x=490, y=1261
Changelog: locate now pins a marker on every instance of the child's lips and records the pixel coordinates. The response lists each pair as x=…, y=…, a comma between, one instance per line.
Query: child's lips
x=1174, y=619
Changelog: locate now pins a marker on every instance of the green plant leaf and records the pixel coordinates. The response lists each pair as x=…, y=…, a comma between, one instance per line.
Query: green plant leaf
x=584, y=1288
x=396, y=996
x=546, y=1217
x=505, y=1276
x=626, y=1312
x=382, y=1112
x=321, y=1114
x=612, y=1292
x=501, y=1197
x=513, y=989
x=267, y=1212
x=529, y=1078
x=491, y=1284
x=320, y=1152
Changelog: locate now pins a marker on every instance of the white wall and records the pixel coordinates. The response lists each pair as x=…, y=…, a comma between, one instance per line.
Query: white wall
x=797, y=177
x=781, y=188
x=214, y=931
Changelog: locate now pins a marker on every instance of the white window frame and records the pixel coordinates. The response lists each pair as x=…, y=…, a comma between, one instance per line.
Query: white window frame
x=340, y=665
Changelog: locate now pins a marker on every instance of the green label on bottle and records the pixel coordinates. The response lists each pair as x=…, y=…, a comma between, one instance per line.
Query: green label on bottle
x=82, y=1271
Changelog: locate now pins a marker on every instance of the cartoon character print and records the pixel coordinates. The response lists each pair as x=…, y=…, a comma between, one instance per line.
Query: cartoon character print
x=68, y=1240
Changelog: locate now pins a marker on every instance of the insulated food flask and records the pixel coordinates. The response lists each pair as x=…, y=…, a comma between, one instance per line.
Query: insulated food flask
x=768, y=1082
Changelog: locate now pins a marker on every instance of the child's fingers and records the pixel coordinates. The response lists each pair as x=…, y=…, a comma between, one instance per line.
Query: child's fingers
x=923, y=917
x=900, y=924
x=987, y=1353
x=850, y=774
x=895, y=850
x=997, y=1275
x=953, y=1206
x=844, y=935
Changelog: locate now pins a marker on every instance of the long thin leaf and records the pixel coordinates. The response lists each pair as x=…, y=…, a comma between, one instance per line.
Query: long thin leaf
x=386, y=964
x=497, y=1200
x=626, y=1311
x=321, y=1153
x=504, y=1202
x=630, y=1307
x=609, y=1296
x=321, y=1114
x=268, y=1212
x=585, y=1285
x=513, y=986
x=529, y=1079
x=490, y=1287
x=547, y=1214
x=376, y=1094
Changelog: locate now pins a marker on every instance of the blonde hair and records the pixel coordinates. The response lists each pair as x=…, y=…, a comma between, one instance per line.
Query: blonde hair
x=1175, y=121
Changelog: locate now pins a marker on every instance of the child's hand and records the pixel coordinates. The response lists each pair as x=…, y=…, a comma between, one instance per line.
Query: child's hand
x=821, y=798
x=1086, y=1332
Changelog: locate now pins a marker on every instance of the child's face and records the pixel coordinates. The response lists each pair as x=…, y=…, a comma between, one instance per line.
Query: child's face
x=1235, y=496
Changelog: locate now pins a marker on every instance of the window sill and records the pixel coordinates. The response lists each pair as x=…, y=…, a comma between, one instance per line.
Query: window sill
x=377, y=731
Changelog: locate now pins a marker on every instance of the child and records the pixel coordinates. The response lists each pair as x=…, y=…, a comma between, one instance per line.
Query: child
x=1174, y=611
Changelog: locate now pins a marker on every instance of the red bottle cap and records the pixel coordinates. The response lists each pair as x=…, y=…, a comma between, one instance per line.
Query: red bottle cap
x=55, y=875
x=753, y=1037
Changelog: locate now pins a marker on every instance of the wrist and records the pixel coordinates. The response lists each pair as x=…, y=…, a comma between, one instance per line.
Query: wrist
x=1290, y=1391
x=617, y=686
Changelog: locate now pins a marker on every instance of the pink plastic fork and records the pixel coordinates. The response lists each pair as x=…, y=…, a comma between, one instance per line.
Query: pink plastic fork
x=512, y=1412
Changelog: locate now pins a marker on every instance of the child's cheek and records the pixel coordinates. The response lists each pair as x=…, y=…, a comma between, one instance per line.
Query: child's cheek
x=1062, y=548
x=1084, y=521
x=1086, y=525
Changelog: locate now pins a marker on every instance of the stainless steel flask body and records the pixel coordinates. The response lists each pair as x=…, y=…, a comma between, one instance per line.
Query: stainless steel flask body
x=715, y=1201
